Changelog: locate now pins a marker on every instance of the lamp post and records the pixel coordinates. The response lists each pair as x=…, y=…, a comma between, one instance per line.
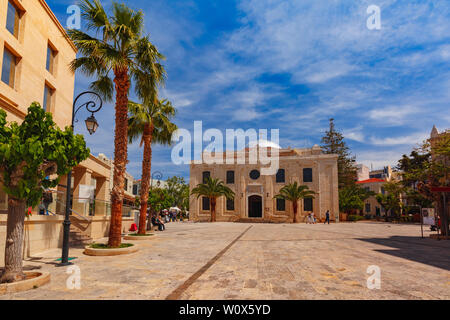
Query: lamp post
x=91, y=126
x=158, y=175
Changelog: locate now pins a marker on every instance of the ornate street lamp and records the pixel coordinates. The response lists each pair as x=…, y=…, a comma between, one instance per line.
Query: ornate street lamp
x=91, y=126
x=158, y=175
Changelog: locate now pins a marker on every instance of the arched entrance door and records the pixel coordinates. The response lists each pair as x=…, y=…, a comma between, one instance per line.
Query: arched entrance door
x=255, y=207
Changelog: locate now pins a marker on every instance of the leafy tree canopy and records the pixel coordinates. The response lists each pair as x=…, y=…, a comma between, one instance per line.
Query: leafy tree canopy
x=352, y=198
x=178, y=189
x=33, y=152
x=159, y=199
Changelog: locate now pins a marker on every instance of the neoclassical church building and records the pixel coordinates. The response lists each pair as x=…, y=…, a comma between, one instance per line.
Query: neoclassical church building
x=254, y=200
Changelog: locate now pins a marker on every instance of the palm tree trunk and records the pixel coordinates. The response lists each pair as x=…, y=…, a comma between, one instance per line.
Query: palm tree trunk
x=146, y=176
x=14, y=242
x=295, y=211
x=213, y=210
x=122, y=84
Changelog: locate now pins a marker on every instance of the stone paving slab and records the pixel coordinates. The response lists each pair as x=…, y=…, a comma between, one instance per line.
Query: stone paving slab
x=269, y=261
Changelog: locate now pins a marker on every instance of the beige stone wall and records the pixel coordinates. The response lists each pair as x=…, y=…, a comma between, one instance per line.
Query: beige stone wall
x=98, y=227
x=38, y=27
x=324, y=184
x=46, y=232
x=41, y=233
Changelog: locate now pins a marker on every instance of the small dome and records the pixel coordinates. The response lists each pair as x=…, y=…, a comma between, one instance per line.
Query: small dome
x=264, y=144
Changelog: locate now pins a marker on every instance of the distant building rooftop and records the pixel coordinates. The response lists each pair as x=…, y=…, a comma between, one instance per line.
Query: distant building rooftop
x=373, y=180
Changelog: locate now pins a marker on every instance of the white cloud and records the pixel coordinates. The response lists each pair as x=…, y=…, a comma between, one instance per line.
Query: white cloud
x=355, y=134
x=393, y=115
x=410, y=140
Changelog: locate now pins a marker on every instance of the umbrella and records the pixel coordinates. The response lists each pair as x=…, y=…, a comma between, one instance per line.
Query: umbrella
x=175, y=209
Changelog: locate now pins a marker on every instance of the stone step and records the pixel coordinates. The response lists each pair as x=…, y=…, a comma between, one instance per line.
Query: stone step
x=255, y=220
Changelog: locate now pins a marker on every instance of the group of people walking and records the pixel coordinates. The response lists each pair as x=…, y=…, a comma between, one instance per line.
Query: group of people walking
x=311, y=219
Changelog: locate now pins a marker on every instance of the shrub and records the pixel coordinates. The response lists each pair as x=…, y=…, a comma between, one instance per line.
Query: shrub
x=355, y=218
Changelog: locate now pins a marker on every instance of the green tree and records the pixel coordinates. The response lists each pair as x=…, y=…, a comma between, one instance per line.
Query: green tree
x=426, y=168
x=391, y=201
x=294, y=193
x=333, y=143
x=151, y=122
x=179, y=190
x=413, y=170
x=119, y=55
x=352, y=198
x=159, y=199
x=30, y=155
x=213, y=189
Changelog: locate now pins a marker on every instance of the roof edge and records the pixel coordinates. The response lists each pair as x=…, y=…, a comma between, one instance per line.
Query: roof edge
x=58, y=24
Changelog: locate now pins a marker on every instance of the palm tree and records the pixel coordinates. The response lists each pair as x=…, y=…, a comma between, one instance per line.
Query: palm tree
x=151, y=122
x=115, y=55
x=293, y=192
x=213, y=189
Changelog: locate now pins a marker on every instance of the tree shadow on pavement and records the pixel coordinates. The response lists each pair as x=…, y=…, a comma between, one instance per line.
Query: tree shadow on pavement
x=426, y=251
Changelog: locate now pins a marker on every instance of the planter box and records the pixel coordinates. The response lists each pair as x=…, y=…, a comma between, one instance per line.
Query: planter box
x=149, y=236
x=39, y=279
x=110, y=252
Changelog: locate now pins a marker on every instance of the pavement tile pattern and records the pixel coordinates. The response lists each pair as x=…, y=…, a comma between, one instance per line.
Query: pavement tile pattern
x=202, y=261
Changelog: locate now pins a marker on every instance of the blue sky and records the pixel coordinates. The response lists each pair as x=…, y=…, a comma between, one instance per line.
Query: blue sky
x=292, y=65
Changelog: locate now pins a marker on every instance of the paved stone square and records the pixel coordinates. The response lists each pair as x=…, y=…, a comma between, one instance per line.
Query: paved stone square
x=260, y=261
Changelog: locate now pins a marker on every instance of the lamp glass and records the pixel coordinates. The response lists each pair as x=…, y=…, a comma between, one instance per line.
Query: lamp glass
x=91, y=124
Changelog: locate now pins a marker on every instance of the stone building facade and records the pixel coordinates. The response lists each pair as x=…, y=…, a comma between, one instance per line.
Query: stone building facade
x=254, y=200
x=35, y=53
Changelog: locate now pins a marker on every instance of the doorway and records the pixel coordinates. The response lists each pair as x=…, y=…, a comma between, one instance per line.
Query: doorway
x=255, y=207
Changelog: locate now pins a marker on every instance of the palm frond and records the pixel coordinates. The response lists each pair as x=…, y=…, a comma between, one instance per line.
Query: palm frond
x=103, y=86
x=212, y=189
x=94, y=14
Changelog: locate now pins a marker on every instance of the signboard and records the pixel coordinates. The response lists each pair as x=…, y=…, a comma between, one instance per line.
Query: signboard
x=428, y=215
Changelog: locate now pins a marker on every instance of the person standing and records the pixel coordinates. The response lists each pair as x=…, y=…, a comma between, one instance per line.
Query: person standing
x=327, y=217
x=46, y=200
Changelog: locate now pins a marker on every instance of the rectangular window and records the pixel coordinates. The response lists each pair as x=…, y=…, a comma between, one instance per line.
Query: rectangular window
x=48, y=94
x=13, y=19
x=50, y=59
x=368, y=209
x=230, y=205
x=206, y=176
x=125, y=185
x=281, y=205
x=281, y=176
x=9, y=68
x=205, y=204
x=308, y=202
x=308, y=175
x=230, y=177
